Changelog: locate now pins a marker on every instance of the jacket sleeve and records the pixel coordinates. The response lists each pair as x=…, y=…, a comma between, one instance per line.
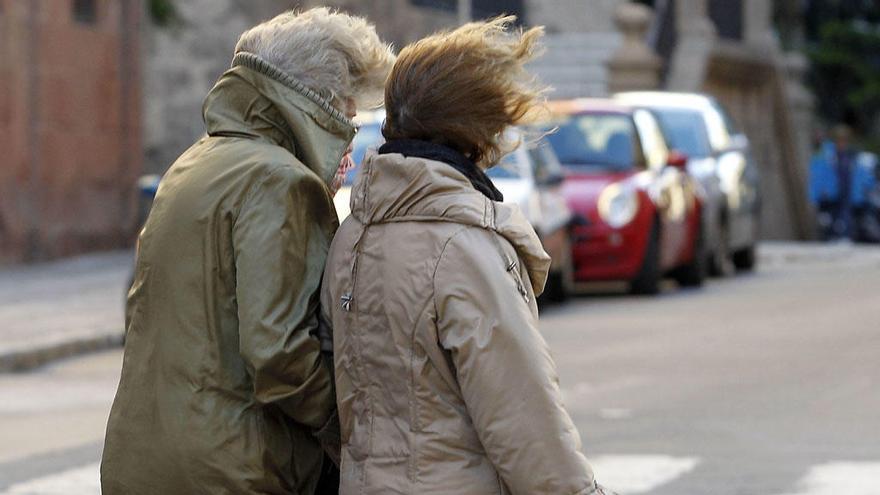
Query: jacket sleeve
x=280, y=249
x=507, y=378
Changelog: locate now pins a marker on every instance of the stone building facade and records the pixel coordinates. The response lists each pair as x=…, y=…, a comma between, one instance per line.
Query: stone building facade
x=184, y=59
x=70, y=126
x=727, y=48
x=723, y=47
x=77, y=129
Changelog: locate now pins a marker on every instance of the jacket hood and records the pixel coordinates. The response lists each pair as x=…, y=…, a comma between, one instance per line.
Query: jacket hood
x=393, y=188
x=254, y=99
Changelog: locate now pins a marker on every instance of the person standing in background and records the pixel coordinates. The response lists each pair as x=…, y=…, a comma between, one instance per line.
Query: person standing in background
x=841, y=180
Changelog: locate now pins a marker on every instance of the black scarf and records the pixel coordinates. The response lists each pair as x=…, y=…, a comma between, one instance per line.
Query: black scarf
x=438, y=152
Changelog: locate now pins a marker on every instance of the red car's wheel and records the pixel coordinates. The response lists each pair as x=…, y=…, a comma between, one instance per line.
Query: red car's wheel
x=693, y=274
x=647, y=281
x=745, y=259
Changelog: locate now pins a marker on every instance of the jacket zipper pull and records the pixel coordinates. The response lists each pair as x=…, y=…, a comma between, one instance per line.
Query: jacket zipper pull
x=511, y=266
x=346, y=301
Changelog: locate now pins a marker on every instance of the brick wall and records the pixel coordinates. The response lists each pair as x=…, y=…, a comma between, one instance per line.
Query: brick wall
x=69, y=128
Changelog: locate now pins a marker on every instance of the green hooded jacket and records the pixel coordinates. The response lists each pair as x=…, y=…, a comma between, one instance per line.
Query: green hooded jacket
x=223, y=387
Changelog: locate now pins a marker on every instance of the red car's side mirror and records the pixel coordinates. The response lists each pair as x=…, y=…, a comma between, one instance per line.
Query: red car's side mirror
x=677, y=160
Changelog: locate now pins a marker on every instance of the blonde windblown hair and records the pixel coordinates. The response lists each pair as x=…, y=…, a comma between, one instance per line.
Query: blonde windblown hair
x=464, y=87
x=337, y=55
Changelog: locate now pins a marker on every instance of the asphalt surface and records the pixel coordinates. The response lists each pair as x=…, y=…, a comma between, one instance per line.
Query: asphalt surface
x=764, y=384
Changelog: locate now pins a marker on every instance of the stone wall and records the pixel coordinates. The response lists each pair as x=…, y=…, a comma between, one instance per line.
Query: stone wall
x=751, y=78
x=581, y=39
x=185, y=59
x=572, y=16
x=397, y=21
x=69, y=127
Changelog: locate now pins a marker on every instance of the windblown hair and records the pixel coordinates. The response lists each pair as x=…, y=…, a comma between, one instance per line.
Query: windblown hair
x=464, y=88
x=337, y=55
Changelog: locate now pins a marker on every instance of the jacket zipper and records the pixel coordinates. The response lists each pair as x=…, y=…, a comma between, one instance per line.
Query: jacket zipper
x=511, y=266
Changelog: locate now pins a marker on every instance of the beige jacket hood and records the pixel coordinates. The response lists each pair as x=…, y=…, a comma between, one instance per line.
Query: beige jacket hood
x=444, y=385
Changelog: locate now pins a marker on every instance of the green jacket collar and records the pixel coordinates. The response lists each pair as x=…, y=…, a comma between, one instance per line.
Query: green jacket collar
x=255, y=99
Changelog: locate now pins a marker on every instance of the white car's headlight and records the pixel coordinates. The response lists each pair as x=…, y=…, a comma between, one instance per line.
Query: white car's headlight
x=618, y=205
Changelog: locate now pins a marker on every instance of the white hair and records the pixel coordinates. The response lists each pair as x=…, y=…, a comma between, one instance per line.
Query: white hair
x=337, y=55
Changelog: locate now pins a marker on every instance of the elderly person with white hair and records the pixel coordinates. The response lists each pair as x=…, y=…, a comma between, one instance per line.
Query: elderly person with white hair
x=224, y=389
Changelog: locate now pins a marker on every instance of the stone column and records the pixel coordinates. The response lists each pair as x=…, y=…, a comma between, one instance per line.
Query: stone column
x=634, y=66
x=758, y=24
x=801, y=105
x=696, y=37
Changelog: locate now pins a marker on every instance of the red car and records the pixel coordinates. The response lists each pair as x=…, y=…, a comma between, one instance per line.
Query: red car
x=637, y=209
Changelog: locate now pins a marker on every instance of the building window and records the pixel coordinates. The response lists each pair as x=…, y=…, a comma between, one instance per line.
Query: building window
x=480, y=9
x=727, y=15
x=483, y=9
x=85, y=11
x=450, y=5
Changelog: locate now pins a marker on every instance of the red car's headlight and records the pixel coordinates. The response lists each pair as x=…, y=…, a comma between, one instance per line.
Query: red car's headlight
x=618, y=205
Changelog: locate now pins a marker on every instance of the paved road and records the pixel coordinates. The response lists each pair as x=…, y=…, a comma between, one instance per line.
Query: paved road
x=765, y=384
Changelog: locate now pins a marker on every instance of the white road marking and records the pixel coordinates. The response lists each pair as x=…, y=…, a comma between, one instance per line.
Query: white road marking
x=625, y=474
x=836, y=478
x=633, y=474
x=78, y=481
x=615, y=413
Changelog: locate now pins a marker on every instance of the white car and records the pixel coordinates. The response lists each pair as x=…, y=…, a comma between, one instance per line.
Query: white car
x=698, y=126
x=369, y=136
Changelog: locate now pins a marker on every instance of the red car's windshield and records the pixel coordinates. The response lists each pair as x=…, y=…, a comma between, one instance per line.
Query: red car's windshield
x=602, y=142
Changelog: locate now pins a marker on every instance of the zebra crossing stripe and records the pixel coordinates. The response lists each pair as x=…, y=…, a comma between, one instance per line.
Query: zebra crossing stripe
x=629, y=474
x=83, y=480
x=625, y=474
x=836, y=478
x=634, y=474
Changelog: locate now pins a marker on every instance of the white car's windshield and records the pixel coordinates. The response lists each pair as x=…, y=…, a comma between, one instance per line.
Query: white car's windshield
x=368, y=136
x=685, y=131
x=507, y=168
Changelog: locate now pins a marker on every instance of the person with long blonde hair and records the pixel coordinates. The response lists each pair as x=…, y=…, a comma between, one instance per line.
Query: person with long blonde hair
x=444, y=384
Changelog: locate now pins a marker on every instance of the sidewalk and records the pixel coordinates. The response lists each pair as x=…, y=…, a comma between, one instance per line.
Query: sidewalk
x=59, y=309
x=775, y=253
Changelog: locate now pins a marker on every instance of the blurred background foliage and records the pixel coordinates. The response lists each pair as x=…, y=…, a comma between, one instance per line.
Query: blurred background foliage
x=163, y=12
x=845, y=74
x=841, y=38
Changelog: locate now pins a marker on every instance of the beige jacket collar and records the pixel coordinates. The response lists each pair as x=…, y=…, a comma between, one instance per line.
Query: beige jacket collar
x=394, y=188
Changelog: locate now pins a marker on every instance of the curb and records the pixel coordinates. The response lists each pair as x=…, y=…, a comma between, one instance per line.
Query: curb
x=780, y=253
x=28, y=359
